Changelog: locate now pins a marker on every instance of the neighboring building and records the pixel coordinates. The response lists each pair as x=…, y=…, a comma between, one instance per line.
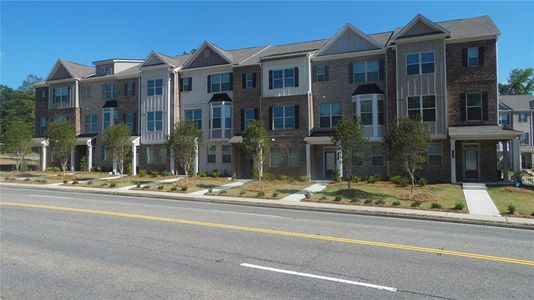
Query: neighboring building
x=443, y=72
x=517, y=112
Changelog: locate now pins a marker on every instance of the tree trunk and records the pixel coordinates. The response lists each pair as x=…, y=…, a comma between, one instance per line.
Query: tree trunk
x=260, y=169
x=412, y=177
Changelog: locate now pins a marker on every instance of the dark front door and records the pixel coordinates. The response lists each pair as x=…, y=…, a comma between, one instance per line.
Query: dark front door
x=329, y=164
x=471, y=163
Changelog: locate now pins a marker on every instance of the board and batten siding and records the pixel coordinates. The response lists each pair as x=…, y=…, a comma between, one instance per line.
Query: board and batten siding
x=73, y=96
x=424, y=84
x=155, y=103
x=300, y=62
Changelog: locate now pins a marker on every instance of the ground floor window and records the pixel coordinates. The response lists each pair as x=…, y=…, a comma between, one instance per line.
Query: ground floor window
x=435, y=154
x=275, y=157
x=163, y=155
x=226, y=154
x=292, y=157
x=212, y=154
x=149, y=155
x=377, y=155
x=524, y=139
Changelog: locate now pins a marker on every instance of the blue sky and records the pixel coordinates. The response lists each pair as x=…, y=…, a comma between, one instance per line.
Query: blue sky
x=35, y=34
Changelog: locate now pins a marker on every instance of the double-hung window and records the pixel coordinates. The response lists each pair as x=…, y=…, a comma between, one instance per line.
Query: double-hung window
x=419, y=63
x=504, y=119
x=221, y=120
x=154, y=87
x=154, y=121
x=435, y=154
x=284, y=78
x=524, y=139
x=369, y=108
x=85, y=92
x=61, y=94
x=195, y=116
x=42, y=126
x=321, y=73
x=186, y=84
x=522, y=117
x=283, y=117
x=212, y=154
x=292, y=157
x=250, y=115
x=366, y=111
x=249, y=80
x=130, y=121
x=329, y=115
x=90, y=123
x=472, y=57
x=111, y=117
x=423, y=107
x=377, y=153
x=110, y=91
x=473, y=106
x=226, y=154
x=275, y=158
x=43, y=95
x=130, y=89
x=365, y=71
x=220, y=82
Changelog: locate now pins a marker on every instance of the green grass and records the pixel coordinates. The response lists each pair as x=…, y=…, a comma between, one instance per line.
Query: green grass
x=522, y=198
x=384, y=193
x=275, y=189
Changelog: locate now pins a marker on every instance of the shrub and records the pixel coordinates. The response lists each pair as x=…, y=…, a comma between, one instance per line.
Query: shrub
x=396, y=203
x=275, y=194
x=260, y=194
x=104, y=184
x=52, y=169
x=459, y=206
x=416, y=203
x=337, y=174
x=323, y=198
x=210, y=189
x=355, y=200
x=380, y=202
x=511, y=209
x=65, y=181
x=142, y=173
x=203, y=174
x=44, y=180
x=146, y=187
x=223, y=192
x=307, y=195
x=435, y=205
x=422, y=181
x=165, y=173
x=138, y=184
x=368, y=201
x=89, y=182
x=242, y=192
x=304, y=178
x=183, y=188
x=75, y=182
x=98, y=169
x=268, y=176
x=395, y=179
x=282, y=177
x=160, y=187
x=373, y=178
x=338, y=198
x=399, y=180
x=83, y=163
x=27, y=179
x=215, y=174
x=129, y=169
x=356, y=179
x=113, y=184
x=173, y=189
x=154, y=173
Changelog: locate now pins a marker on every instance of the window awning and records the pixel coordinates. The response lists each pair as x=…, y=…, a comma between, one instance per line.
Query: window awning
x=367, y=89
x=220, y=97
x=111, y=103
x=236, y=139
x=482, y=132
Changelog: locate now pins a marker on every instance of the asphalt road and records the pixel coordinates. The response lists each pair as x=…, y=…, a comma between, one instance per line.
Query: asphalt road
x=139, y=248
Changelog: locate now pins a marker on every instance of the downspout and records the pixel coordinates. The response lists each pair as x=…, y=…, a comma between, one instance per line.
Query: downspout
x=309, y=95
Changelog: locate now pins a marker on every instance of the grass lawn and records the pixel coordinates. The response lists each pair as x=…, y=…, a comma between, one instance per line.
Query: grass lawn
x=275, y=189
x=196, y=183
x=521, y=198
x=385, y=193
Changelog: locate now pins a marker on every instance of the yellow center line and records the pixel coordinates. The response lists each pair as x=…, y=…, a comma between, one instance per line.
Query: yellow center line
x=278, y=232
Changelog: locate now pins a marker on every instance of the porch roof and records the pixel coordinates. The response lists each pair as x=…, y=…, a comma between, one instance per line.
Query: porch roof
x=482, y=132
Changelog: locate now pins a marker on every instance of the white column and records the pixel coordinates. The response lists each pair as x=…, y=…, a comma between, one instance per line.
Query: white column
x=505, y=159
x=114, y=167
x=339, y=162
x=72, y=154
x=453, y=160
x=89, y=157
x=516, y=157
x=308, y=160
x=196, y=159
x=171, y=157
x=43, y=157
x=134, y=159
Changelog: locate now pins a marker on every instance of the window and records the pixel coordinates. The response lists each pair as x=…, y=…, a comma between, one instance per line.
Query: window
x=43, y=95
x=504, y=119
x=292, y=157
x=212, y=154
x=110, y=117
x=435, y=154
x=523, y=140
x=474, y=107
x=130, y=121
x=61, y=94
x=186, y=84
x=221, y=120
x=472, y=57
x=105, y=70
x=154, y=87
x=365, y=71
x=104, y=153
x=162, y=155
x=86, y=92
x=90, y=123
x=249, y=80
x=321, y=73
x=366, y=112
x=329, y=115
x=377, y=153
x=250, y=115
x=420, y=63
x=154, y=121
x=283, y=117
x=219, y=82
x=130, y=89
x=522, y=117
x=110, y=91
x=195, y=116
x=284, y=78
x=275, y=158
x=226, y=154
x=42, y=126
x=369, y=108
x=149, y=154
x=423, y=107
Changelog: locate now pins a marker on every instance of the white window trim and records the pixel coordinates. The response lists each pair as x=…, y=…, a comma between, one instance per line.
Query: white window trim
x=467, y=107
x=154, y=81
x=220, y=75
x=366, y=71
x=330, y=115
x=284, y=78
x=420, y=62
x=89, y=117
x=421, y=109
x=208, y=154
x=249, y=80
x=477, y=57
x=223, y=127
x=193, y=113
x=440, y=155
x=375, y=98
x=113, y=91
x=271, y=158
x=296, y=156
x=112, y=113
x=284, y=117
x=155, y=121
x=248, y=119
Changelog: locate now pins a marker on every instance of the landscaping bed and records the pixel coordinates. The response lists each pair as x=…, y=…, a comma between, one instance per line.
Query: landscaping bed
x=196, y=183
x=49, y=177
x=442, y=197
x=274, y=189
x=521, y=198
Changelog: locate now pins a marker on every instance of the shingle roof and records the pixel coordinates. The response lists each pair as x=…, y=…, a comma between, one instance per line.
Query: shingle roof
x=130, y=72
x=517, y=102
x=295, y=48
x=482, y=132
x=76, y=69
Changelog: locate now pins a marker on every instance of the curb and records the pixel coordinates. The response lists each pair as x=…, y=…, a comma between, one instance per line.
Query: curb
x=221, y=200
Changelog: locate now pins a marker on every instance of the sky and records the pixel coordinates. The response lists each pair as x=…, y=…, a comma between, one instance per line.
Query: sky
x=33, y=35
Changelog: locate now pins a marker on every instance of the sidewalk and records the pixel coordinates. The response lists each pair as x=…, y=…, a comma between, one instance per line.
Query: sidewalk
x=454, y=217
x=478, y=200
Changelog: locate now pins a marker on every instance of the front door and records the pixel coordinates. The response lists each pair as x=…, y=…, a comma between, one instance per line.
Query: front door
x=329, y=164
x=471, y=163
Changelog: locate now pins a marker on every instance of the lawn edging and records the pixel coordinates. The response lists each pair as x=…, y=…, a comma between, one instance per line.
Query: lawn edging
x=403, y=213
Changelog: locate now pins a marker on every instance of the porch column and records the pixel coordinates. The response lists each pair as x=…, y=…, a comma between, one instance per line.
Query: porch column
x=114, y=167
x=308, y=161
x=72, y=160
x=339, y=162
x=134, y=159
x=516, y=157
x=505, y=159
x=171, y=157
x=453, y=161
x=196, y=158
x=43, y=156
x=89, y=156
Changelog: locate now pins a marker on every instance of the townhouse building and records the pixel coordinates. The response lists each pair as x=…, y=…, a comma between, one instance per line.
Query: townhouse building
x=517, y=112
x=443, y=72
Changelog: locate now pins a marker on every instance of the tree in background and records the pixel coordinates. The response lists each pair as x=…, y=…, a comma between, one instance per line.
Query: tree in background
x=62, y=138
x=15, y=105
x=27, y=85
x=350, y=138
x=183, y=141
x=520, y=82
x=256, y=143
x=407, y=143
x=17, y=140
x=117, y=143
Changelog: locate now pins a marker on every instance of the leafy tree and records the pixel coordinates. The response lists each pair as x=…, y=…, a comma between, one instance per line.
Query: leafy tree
x=407, y=144
x=15, y=105
x=183, y=141
x=117, y=143
x=27, y=85
x=62, y=139
x=256, y=143
x=350, y=138
x=520, y=82
x=17, y=140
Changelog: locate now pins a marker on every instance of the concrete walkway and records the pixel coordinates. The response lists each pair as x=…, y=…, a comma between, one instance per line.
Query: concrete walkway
x=478, y=200
x=217, y=189
x=298, y=196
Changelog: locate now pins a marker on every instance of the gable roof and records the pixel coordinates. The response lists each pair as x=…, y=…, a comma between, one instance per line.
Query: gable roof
x=419, y=19
x=349, y=28
x=517, y=102
x=75, y=70
x=232, y=57
x=206, y=45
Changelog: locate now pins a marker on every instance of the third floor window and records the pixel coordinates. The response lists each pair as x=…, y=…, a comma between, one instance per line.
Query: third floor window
x=420, y=63
x=219, y=82
x=154, y=87
x=283, y=78
x=423, y=107
x=154, y=121
x=283, y=117
x=61, y=94
x=365, y=71
x=110, y=91
x=186, y=84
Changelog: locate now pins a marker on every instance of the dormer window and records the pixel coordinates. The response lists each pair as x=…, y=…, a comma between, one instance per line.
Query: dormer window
x=105, y=70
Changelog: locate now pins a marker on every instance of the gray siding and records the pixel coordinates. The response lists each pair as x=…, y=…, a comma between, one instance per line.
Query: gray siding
x=207, y=57
x=349, y=42
x=419, y=29
x=61, y=73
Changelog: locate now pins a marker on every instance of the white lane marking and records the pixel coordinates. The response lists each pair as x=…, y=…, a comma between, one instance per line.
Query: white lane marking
x=370, y=285
x=46, y=196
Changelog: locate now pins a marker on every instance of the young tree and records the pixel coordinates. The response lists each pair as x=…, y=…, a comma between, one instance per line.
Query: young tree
x=350, y=138
x=183, y=141
x=117, y=142
x=520, y=82
x=256, y=143
x=62, y=139
x=407, y=144
x=17, y=140
x=27, y=85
